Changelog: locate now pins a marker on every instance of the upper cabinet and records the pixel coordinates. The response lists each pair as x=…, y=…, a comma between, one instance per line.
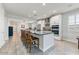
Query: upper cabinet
x=40, y=24
x=55, y=20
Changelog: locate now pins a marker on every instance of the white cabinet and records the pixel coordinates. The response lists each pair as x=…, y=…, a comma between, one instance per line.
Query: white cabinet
x=57, y=20
x=46, y=40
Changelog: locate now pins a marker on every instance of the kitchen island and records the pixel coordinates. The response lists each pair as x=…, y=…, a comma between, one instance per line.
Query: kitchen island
x=46, y=39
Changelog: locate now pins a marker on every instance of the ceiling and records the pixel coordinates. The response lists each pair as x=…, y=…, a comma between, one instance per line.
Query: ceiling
x=38, y=10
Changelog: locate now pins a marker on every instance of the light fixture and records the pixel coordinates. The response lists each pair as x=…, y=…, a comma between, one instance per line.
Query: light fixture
x=44, y=4
x=54, y=11
x=34, y=11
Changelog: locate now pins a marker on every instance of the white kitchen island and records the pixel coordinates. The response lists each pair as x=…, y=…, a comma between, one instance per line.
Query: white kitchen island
x=46, y=39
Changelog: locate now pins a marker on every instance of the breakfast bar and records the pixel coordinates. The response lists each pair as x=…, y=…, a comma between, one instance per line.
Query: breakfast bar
x=46, y=39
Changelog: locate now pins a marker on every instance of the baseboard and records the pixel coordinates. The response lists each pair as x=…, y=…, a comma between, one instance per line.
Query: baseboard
x=70, y=41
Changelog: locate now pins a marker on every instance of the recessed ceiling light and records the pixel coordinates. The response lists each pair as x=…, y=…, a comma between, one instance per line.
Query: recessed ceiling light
x=54, y=11
x=44, y=4
x=34, y=11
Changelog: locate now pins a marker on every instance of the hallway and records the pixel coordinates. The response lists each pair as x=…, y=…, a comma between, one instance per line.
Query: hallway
x=12, y=46
x=15, y=47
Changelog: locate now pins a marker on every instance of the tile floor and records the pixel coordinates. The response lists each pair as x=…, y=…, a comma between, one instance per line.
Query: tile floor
x=15, y=47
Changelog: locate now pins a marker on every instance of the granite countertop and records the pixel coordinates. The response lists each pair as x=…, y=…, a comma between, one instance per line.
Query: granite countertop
x=42, y=32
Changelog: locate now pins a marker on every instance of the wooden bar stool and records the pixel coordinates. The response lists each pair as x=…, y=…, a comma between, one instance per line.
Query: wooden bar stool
x=78, y=42
x=36, y=41
x=30, y=40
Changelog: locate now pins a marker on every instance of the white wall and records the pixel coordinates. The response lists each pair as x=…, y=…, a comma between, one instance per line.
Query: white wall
x=6, y=28
x=18, y=21
x=70, y=33
x=13, y=22
x=2, y=26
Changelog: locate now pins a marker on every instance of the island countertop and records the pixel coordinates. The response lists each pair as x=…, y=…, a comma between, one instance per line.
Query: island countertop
x=41, y=32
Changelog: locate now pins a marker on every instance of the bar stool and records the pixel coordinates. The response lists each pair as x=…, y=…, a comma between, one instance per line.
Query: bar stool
x=78, y=42
x=30, y=40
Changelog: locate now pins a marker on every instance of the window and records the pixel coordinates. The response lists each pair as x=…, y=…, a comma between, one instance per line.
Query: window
x=71, y=20
x=77, y=19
